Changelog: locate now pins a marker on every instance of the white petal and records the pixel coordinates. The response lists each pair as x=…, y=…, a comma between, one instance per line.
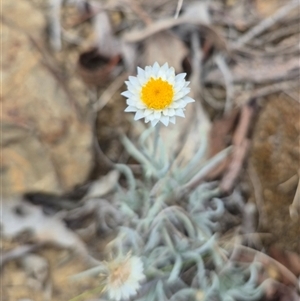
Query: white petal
x=179, y=112
x=131, y=109
x=179, y=86
x=165, y=66
x=135, y=98
x=171, y=72
x=180, y=104
x=180, y=77
x=140, y=105
x=188, y=99
x=140, y=71
x=180, y=94
x=162, y=73
x=157, y=114
x=131, y=102
x=170, y=76
x=139, y=115
x=125, y=294
x=148, y=71
x=133, y=80
x=186, y=90
x=114, y=295
x=172, y=119
x=148, y=112
x=151, y=117
x=133, y=89
x=165, y=120
x=154, y=122
x=174, y=105
x=142, y=80
x=127, y=94
x=130, y=288
x=165, y=112
x=155, y=69
x=169, y=112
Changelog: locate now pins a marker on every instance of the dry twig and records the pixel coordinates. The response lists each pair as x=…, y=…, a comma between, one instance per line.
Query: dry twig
x=266, y=260
x=295, y=207
x=179, y=6
x=17, y=253
x=264, y=25
x=221, y=63
x=257, y=187
x=241, y=146
x=109, y=92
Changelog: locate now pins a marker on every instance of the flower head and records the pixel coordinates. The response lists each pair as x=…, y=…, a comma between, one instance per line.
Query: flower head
x=157, y=94
x=124, y=275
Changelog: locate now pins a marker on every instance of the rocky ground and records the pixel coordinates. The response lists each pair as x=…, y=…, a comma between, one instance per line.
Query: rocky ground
x=52, y=127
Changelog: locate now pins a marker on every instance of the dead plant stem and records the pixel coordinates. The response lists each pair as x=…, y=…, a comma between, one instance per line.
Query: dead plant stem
x=265, y=24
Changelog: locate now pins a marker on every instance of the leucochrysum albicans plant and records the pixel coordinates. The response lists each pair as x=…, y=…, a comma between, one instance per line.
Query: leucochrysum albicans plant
x=167, y=247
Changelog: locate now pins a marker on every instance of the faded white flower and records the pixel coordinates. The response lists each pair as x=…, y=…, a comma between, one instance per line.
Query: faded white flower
x=124, y=277
x=157, y=94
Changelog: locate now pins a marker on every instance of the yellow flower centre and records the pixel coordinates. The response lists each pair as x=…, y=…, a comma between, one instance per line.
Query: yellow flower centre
x=157, y=94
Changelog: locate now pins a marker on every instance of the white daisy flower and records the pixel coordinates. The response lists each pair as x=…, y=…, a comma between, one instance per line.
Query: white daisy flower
x=157, y=94
x=124, y=277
